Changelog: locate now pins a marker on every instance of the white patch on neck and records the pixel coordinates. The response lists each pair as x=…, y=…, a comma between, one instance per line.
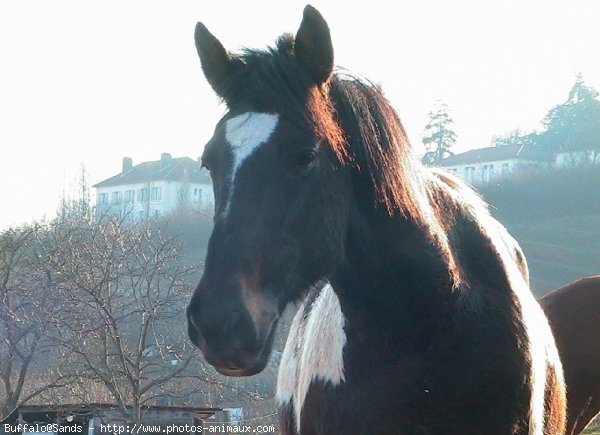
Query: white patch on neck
x=314, y=350
x=245, y=133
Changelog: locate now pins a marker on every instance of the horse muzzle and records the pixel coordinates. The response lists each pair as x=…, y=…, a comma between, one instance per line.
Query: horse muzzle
x=231, y=339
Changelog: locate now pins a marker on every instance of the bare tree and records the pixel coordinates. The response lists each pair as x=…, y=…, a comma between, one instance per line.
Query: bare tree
x=95, y=313
x=24, y=343
x=123, y=290
x=75, y=202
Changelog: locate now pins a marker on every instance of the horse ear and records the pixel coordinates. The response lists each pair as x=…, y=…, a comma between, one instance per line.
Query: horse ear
x=217, y=63
x=313, y=47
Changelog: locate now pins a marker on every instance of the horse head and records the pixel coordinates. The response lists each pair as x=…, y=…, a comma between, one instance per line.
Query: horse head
x=280, y=207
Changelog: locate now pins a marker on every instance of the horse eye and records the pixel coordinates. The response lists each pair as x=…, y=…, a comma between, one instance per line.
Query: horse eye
x=305, y=157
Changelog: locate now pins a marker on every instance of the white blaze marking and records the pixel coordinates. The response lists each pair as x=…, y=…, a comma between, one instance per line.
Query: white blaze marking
x=313, y=350
x=245, y=133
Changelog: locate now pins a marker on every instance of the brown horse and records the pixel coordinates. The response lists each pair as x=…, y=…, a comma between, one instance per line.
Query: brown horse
x=574, y=315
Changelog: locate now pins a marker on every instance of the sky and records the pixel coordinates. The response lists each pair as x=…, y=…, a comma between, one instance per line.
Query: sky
x=88, y=83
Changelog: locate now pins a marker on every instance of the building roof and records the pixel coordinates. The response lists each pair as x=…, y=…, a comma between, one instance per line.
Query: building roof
x=493, y=154
x=168, y=169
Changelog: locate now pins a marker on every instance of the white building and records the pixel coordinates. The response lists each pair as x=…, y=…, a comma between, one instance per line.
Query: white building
x=154, y=189
x=485, y=165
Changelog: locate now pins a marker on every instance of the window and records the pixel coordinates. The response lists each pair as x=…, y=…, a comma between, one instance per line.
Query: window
x=505, y=168
x=102, y=198
x=155, y=194
x=116, y=198
x=183, y=194
x=469, y=171
x=142, y=195
x=487, y=173
x=129, y=196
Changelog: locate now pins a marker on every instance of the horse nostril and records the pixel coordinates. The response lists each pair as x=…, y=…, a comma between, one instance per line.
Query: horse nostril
x=193, y=330
x=233, y=367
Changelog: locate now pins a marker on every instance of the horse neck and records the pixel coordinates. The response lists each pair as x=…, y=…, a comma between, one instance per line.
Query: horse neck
x=394, y=278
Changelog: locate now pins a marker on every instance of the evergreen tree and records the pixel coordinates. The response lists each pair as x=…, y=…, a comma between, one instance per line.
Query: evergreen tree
x=575, y=124
x=438, y=137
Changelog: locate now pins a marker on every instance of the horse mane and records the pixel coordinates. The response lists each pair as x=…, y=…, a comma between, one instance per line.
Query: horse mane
x=377, y=141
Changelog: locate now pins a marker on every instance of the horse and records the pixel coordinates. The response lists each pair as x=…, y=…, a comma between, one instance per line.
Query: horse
x=436, y=330
x=574, y=315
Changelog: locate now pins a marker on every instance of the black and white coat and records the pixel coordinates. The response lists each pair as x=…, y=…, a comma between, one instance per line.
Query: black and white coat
x=316, y=394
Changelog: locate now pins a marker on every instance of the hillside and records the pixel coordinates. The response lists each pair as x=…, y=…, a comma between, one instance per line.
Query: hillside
x=555, y=216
